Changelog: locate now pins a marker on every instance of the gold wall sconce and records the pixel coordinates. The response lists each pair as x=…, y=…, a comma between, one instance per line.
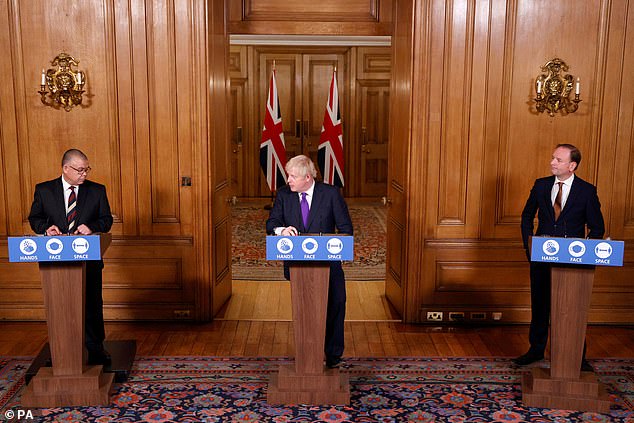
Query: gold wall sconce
x=553, y=89
x=65, y=85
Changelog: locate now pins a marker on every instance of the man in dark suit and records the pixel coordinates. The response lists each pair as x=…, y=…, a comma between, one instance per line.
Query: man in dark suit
x=327, y=211
x=565, y=205
x=73, y=205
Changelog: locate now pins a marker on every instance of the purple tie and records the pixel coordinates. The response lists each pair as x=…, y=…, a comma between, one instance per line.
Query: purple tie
x=305, y=210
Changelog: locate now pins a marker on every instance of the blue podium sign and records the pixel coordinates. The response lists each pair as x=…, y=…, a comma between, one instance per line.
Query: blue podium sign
x=29, y=249
x=310, y=247
x=597, y=252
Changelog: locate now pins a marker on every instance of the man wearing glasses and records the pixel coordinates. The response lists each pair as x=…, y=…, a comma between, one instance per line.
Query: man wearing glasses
x=73, y=205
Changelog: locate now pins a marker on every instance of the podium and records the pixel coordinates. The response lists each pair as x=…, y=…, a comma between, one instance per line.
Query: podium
x=564, y=385
x=69, y=382
x=307, y=381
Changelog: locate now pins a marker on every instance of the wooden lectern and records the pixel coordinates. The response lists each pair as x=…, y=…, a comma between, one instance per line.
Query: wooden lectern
x=565, y=386
x=307, y=382
x=69, y=382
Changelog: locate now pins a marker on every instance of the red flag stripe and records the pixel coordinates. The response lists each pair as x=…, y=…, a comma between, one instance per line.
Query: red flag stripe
x=272, y=145
x=331, y=156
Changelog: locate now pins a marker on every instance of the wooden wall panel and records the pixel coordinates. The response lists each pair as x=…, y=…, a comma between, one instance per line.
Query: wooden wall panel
x=163, y=151
x=487, y=144
x=357, y=17
x=219, y=190
x=141, y=124
x=37, y=38
x=616, y=178
x=403, y=89
x=454, y=30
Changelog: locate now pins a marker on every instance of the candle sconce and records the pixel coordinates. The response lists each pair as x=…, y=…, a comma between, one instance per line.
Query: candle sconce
x=65, y=85
x=553, y=89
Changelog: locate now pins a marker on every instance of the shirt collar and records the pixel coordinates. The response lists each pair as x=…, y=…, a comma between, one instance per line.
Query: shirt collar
x=66, y=185
x=309, y=191
x=567, y=182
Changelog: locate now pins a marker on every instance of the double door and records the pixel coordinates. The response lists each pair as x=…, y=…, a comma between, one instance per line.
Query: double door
x=303, y=83
x=303, y=76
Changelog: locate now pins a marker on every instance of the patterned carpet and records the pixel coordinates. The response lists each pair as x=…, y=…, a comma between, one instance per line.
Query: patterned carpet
x=249, y=253
x=197, y=389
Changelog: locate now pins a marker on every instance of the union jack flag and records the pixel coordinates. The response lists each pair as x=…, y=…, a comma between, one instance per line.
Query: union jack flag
x=272, y=146
x=330, y=150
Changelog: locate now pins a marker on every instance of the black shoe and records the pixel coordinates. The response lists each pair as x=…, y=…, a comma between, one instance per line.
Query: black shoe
x=585, y=366
x=333, y=362
x=100, y=356
x=528, y=358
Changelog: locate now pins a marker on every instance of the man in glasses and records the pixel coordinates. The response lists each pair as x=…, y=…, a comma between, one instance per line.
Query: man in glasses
x=73, y=205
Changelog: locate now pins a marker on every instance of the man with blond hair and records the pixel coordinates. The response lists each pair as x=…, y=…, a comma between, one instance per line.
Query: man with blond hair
x=308, y=206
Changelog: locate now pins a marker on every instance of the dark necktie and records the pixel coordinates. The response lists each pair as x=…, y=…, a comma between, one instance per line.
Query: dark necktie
x=557, y=205
x=305, y=210
x=71, y=214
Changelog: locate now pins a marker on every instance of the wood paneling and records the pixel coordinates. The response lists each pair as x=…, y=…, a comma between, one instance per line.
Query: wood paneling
x=330, y=17
x=465, y=142
x=142, y=121
x=370, y=134
x=398, y=198
x=486, y=144
x=219, y=158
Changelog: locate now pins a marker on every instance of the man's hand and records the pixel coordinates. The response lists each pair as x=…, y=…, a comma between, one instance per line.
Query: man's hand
x=52, y=231
x=289, y=231
x=82, y=230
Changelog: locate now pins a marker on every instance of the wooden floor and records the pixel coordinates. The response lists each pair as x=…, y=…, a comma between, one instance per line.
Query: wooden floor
x=257, y=300
x=363, y=339
x=256, y=322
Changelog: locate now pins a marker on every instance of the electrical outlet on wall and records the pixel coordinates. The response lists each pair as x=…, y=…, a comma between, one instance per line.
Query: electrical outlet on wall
x=434, y=316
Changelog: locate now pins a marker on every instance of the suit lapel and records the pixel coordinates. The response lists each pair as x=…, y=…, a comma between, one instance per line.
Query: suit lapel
x=58, y=193
x=82, y=195
x=296, y=212
x=315, y=203
x=572, y=195
x=547, y=197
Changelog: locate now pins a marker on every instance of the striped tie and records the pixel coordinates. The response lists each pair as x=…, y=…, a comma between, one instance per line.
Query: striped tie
x=71, y=214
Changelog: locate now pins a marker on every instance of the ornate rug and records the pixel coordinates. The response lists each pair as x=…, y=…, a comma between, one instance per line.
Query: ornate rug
x=248, y=247
x=213, y=389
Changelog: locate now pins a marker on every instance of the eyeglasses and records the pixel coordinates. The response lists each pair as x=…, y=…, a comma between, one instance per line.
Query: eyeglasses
x=85, y=170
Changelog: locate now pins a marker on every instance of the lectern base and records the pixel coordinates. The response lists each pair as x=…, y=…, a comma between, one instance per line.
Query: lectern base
x=92, y=387
x=289, y=387
x=122, y=352
x=583, y=394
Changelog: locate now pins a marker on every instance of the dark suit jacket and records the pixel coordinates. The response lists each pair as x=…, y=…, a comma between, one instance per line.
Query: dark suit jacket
x=328, y=212
x=582, y=208
x=48, y=208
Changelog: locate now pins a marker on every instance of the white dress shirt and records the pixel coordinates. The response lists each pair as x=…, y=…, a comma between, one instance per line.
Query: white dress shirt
x=565, y=190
